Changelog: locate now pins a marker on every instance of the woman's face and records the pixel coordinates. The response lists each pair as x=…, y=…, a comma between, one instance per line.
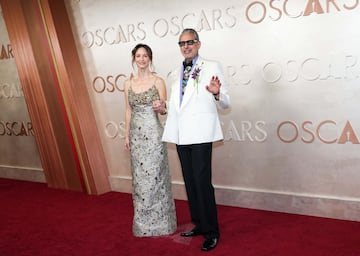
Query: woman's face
x=142, y=58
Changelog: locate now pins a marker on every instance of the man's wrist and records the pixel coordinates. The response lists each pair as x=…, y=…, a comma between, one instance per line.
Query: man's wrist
x=216, y=96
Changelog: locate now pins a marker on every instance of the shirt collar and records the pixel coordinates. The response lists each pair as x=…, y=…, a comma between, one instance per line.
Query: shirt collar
x=190, y=63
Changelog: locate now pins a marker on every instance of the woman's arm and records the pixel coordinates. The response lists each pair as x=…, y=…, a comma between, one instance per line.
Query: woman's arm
x=127, y=115
x=160, y=107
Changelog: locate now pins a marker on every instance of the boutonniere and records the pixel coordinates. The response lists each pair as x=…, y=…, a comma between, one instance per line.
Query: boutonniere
x=196, y=75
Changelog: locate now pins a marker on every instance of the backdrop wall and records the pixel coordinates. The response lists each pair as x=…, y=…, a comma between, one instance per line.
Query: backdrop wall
x=292, y=133
x=19, y=157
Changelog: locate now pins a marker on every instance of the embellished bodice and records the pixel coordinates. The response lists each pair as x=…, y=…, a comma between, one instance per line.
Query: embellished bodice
x=143, y=98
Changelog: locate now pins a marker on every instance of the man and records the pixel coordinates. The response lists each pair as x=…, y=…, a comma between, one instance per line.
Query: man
x=197, y=88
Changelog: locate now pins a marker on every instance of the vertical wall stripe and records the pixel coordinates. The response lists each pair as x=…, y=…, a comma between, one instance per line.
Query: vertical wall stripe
x=66, y=114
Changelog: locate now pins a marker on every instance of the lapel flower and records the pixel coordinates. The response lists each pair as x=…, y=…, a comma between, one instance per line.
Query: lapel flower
x=196, y=75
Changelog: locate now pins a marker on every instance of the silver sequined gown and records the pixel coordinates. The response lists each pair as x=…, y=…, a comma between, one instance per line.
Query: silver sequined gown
x=154, y=210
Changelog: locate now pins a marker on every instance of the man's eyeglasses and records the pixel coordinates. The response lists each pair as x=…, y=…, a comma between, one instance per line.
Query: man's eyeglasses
x=188, y=42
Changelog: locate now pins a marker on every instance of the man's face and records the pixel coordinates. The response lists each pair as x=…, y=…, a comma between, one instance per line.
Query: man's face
x=188, y=47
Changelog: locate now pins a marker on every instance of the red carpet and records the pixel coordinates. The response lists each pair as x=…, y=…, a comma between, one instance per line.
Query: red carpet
x=38, y=221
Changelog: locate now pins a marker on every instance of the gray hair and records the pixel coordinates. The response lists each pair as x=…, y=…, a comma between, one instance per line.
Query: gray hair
x=191, y=31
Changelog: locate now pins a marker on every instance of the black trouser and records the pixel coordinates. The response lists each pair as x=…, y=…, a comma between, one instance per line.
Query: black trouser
x=195, y=162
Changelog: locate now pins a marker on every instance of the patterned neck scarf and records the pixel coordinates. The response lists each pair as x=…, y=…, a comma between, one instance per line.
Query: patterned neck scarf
x=185, y=79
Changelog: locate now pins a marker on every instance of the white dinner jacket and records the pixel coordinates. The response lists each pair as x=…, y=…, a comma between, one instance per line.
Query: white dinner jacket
x=196, y=119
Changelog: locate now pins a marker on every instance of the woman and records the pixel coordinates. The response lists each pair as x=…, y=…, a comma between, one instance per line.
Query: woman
x=145, y=96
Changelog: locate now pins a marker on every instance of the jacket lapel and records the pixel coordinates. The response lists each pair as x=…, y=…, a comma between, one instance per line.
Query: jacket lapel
x=190, y=88
x=175, y=78
x=188, y=92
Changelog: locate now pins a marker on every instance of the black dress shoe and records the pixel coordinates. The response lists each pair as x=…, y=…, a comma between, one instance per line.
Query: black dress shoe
x=193, y=232
x=209, y=244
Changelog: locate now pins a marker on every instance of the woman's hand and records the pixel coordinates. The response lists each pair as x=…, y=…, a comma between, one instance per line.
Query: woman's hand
x=159, y=106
